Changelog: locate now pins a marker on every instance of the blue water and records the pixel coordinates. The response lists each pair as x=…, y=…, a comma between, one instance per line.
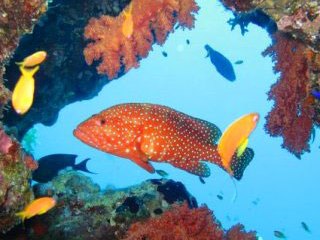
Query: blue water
x=284, y=187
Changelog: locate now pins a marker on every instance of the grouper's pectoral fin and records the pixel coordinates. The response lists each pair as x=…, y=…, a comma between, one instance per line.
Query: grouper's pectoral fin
x=195, y=167
x=140, y=157
x=143, y=162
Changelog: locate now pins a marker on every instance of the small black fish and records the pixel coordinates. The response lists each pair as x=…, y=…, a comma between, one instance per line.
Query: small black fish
x=305, y=227
x=188, y=41
x=238, y=62
x=162, y=173
x=220, y=197
x=165, y=54
x=50, y=165
x=201, y=180
x=222, y=64
x=279, y=234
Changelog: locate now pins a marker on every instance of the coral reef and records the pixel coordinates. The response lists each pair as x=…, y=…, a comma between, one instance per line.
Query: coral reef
x=298, y=18
x=152, y=22
x=83, y=211
x=296, y=36
x=186, y=223
x=15, y=174
x=16, y=18
x=64, y=77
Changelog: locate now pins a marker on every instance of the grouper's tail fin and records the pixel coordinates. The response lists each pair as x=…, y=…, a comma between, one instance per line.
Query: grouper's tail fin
x=239, y=163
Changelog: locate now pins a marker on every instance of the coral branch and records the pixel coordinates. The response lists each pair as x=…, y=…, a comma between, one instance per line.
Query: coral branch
x=293, y=112
x=152, y=22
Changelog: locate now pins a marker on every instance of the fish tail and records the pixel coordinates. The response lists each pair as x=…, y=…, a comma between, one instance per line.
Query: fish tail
x=82, y=166
x=240, y=163
x=20, y=63
x=28, y=72
x=21, y=215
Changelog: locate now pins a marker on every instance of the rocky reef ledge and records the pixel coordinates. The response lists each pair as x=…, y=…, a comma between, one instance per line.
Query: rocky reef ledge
x=144, y=211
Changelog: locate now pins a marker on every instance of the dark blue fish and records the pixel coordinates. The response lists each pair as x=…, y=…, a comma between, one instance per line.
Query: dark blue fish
x=238, y=62
x=165, y=54
x=222, y=64
x=305, y=227
x=188, y=41
x=50, y=165
x=316, y=94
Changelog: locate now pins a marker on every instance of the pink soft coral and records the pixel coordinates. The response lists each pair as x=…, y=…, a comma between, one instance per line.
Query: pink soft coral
x=152, y=22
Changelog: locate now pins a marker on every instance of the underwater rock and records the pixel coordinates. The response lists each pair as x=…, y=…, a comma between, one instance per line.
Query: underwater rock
x=298, y=18
x=83, y=211
x=15, y=174
x=64, y=77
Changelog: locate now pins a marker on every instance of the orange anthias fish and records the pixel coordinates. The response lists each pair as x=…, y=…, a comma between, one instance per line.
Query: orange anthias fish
x=22, y=95
x=149, y=132
x=37, y=207
x=34, y=59
x=127, y=26
x=235, y=138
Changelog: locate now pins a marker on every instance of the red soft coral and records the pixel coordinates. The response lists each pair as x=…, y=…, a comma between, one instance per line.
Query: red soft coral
x=292, y=114
x=152, y=22
x=237, y=233
x=184, y=223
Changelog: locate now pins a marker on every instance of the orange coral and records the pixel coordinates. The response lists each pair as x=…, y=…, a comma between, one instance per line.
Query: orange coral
x=152, y=22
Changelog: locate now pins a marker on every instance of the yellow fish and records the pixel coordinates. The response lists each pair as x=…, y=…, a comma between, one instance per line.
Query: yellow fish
x=235, y=138
x=33, y=59
x=37, y=207
x=22, y=96
x=127, y=26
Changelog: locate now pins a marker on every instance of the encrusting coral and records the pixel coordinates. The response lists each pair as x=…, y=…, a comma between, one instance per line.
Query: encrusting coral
x=152, y=22
x=15, y=174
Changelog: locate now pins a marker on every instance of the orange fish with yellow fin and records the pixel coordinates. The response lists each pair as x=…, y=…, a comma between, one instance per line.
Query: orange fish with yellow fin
x=33, y=60
x=145, y=132
x=37, y=207
x=235, y=139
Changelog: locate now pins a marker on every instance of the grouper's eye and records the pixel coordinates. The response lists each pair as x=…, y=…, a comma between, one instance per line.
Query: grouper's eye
x=102, y=122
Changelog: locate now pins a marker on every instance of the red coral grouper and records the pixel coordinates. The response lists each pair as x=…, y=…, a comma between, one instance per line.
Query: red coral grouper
x=143, y=132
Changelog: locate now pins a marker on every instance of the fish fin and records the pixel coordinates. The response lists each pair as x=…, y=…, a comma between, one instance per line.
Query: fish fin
x=82, y=166
x=242, y=147
x=239, y=164
x=28, y=72
x=214, y=131
x=144, y=164
x=201, y=169
x=20, y=63
x=128, y=11
x=42, y=211
x=207, y=55
x=21, y=215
